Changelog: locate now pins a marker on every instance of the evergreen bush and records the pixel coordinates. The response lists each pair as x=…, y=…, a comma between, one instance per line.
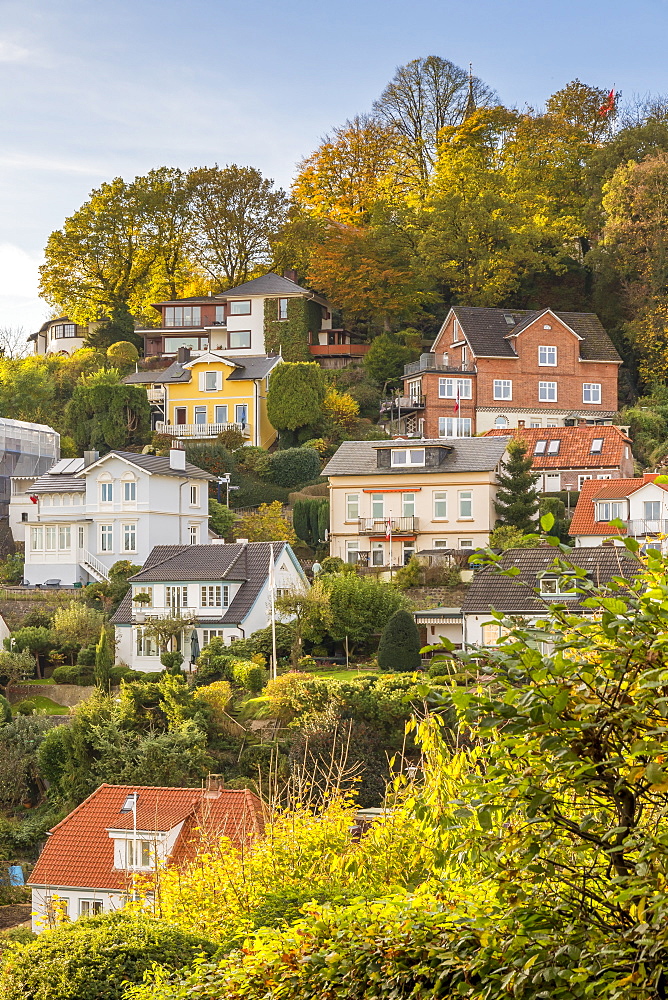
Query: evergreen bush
x=517, y=496
x=399, y=647
x=248, y=675
x=293, y=467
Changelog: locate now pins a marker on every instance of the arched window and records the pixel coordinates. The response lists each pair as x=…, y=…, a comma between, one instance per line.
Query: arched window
x=129, y=488
x=501, y=421
x=106, y=488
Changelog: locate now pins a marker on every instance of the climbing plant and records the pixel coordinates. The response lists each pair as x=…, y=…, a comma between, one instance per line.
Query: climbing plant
x=290, y=337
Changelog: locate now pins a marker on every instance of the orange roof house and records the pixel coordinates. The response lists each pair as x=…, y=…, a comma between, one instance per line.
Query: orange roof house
x=568, y=457
x=640, y=503
x=91, y=856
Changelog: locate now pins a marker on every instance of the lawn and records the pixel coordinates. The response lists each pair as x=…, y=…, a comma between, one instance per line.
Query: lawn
x=46, y=706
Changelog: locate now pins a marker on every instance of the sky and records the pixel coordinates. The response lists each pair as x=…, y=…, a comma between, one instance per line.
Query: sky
x=93, y=89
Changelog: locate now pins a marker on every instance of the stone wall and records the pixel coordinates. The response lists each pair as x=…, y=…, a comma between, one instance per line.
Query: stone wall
x=67, y=695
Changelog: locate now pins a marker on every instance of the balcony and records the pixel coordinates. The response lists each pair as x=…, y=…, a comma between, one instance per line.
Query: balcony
x=640, y=527
x=200, y=430
x=378, y=525
x=156, y=395
x=402, y=403
x=432, y=362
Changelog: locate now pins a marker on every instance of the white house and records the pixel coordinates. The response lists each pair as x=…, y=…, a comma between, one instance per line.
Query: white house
x=87, y=513
x=221, y=590
x=528, y=595
x=641, y=504
x=121, y=833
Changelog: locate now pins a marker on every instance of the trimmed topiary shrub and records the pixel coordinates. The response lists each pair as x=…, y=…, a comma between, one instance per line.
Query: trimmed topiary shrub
x=399, y=646
x=26, y=707
x=76, y=674
x=293, y=466
x=96, y=958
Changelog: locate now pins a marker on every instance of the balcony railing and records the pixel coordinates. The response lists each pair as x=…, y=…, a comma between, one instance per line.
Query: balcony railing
x=348, y=350
x=435, y=361
x=639, y=527
x=378, y=525
x=199, y=430
x=156, y=395
x=402, y=403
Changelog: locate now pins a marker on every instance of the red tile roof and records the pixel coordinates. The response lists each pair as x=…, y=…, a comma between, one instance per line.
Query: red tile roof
x=79, y=852
x=583, y=522
x=575, y=447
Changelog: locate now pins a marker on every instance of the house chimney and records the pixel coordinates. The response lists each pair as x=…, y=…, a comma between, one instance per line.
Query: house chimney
x=183, y=355
x=520, y=423
x=89, y=457
x=290, y=274
x=582, y=421
x=214, y=786
x=177, y=456
x=242, y=541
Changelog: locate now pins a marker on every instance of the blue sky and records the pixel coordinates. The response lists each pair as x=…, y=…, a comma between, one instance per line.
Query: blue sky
x=90, y=89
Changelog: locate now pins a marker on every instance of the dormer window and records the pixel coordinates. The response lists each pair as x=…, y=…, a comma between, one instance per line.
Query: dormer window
x=407, y=456
x=553, y=447
x=553, y=585
x=609, y=510
x=547, y=357
x=597, y=446
x=539, y=448
x=137, y=854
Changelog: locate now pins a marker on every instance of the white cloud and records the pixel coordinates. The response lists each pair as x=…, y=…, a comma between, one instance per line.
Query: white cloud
x=11, y=52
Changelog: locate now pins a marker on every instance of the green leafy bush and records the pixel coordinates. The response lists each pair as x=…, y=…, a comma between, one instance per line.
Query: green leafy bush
x=293, y=466
x=94, y=959
x=11, y=569
x=26, y=707
x=248, y=675
x=5, y=710
x=253, y=459
x=214, y=663
x=77, y=674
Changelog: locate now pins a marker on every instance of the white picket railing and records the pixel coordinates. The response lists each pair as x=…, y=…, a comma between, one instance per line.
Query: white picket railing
x=199, y=430
x=94, y=566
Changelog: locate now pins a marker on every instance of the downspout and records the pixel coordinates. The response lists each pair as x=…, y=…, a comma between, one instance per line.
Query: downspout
x=257, y=413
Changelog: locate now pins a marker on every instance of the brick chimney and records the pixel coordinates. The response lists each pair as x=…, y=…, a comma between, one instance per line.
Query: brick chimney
x=520, y=423
x=582, y=421
x=290, y=274
x=214, y=786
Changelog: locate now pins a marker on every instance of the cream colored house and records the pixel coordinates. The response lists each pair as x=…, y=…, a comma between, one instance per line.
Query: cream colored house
x=390, y=499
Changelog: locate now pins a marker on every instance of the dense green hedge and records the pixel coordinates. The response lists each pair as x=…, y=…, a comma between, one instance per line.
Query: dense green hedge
x=94, y=959
x=293, y=466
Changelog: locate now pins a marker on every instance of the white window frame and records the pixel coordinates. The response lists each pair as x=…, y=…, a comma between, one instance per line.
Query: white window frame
x=412, y=457
x=194, y=495
x=553, y=447
x=81, y=536
x=50, y=538
x=106, y=492
x=378, y=553
x=547, y=356
x=408, y=504
x=129, y=536
x=377, y=506
x=503, y=388
x=243, y=407
x=138, y=848
x=282, y=311
x=352, y=547
x=145, y=645
x=210, y=381
x=176, y=597
x=599, y=450
x=440, y=497
x=591, y=390
x=651, y=517
x=138, y=589
x=214, y=595
x=352, y=506
x=129, y=491
x=37, y=539
x=211, y=633
x=545, y=390
x=220, y=413
x=90, y=907
x=501, y=422
x=466, y=543
x=582, y=478
x=200, y=411
x=64, y=537
x=239, y=340
x=465, y=497
x=611, y=510
x=193, y=534
x=237, y=308
x=447, y=388
x=454, y=427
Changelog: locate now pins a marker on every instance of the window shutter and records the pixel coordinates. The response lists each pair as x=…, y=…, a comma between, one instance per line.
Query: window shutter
x=202, y=381
x=219, y=380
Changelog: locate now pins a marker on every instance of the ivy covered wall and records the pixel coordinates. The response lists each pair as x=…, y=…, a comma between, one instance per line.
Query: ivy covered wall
x=291, y=335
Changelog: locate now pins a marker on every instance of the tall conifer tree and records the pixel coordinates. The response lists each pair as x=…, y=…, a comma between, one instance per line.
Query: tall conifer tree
x=517, y=496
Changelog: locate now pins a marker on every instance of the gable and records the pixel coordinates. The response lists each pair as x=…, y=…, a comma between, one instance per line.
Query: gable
x=537, y=324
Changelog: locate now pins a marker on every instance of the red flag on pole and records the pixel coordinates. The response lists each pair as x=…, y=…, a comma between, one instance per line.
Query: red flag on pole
x=388, y=531
x=456, y=410
x=35, y=499
x=608, y=105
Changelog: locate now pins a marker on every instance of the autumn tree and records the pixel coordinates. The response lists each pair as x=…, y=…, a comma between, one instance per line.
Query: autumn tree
x=77, y=623
x=580, y=105
x=103, y=257
x=423, y=97
x=353, y=168
x=238, y=212
x=266, y=524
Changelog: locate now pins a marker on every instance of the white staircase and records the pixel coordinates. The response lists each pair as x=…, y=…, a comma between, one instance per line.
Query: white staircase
x=94, y=566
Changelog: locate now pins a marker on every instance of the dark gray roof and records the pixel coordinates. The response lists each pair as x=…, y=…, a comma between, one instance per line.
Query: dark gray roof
x=489, y=334
x=252, y=367
x=358, y=458
x=174, y=373
x=438, y=613
x=59, y=484
x=158, y=465
x=267, y=284
x=490, y=591
x=248, y=563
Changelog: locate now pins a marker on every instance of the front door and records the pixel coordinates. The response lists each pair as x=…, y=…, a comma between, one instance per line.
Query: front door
x=180, y=415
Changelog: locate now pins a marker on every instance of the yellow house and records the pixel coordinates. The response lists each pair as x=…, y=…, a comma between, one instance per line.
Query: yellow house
x=221, y=393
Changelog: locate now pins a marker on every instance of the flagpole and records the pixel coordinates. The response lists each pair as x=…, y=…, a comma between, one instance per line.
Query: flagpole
x=272, y=592
x=389, y=535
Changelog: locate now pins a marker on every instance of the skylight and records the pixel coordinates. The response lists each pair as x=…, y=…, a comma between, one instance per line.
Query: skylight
x=540, y=448
x=597, y=446
x=130, y=803
x=510, y=320
x=553, y=447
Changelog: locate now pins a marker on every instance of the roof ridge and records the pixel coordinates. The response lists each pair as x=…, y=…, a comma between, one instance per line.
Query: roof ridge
x=160, y=562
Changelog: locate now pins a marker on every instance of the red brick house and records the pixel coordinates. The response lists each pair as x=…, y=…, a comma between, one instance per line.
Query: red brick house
x=121, y=833
x=491, y=368
x=566, y=457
